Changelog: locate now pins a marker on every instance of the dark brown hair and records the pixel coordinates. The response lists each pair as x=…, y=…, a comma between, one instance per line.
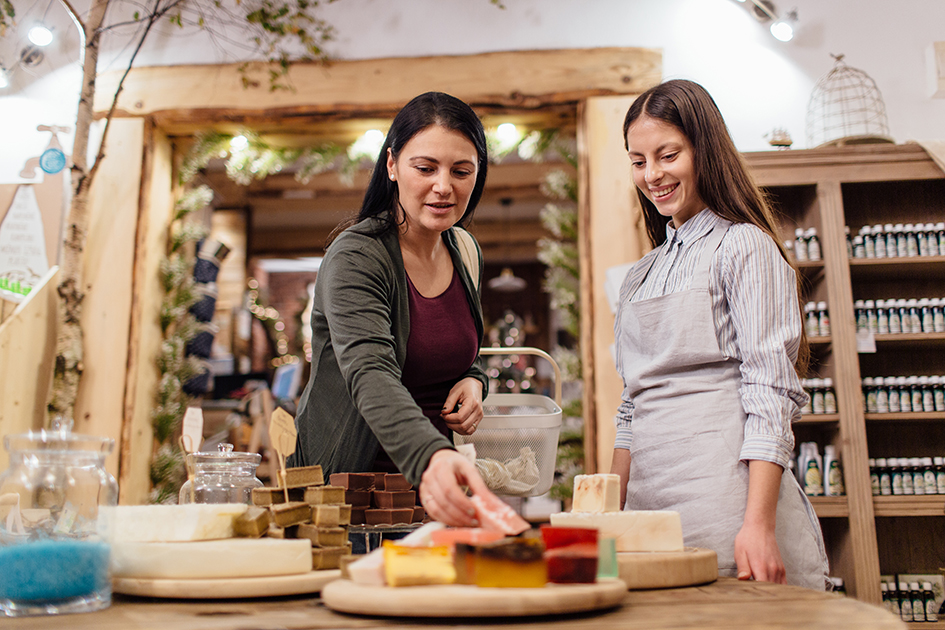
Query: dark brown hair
x=722, y=178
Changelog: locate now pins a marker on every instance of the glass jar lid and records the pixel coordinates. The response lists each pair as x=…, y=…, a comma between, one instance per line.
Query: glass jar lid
x=225, y=455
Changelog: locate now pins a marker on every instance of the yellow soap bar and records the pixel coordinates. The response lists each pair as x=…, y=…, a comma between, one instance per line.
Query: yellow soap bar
x=417, y=566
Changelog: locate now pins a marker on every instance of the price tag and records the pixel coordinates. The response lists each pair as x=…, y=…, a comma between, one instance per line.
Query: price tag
x=282, y=435
x=192, y=430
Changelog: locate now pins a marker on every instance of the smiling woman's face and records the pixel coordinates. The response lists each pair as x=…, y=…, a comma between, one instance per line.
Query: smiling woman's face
x=661, y=159
x=435, y=174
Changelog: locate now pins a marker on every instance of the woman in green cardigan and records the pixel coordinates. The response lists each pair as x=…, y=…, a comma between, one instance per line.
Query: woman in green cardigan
x=396, y=319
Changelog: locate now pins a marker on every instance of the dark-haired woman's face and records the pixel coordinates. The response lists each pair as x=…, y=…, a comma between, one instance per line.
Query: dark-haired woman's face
x=662, y=164
x=435, y=174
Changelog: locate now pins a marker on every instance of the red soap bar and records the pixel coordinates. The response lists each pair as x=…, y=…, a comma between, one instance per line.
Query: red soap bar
x=556, y=536
x=575, y=564
x=396, y=482
x=353, y=481
x=398, y=499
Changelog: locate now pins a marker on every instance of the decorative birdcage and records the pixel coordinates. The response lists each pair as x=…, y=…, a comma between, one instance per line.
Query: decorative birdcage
x=846, y=107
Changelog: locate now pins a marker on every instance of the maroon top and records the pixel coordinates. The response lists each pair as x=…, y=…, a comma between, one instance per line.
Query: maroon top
x=443, y=344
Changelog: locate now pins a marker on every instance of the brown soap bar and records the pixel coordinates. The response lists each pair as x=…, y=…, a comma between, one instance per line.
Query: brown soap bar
x=272, y=496
x=353, y=481
x=324, y=536
x=358, y=498
x=327, y=515
x=379, y=481
x=347, y=559
x=388, y=516
x=344, y=514
x=291, y=513
x=327, y=557
x=292, y=531
x=252, y=523
x=396, y=482
x=322, y=495
x=303, y=477
x=357, y=515
x=418, y=514
x=395, y=499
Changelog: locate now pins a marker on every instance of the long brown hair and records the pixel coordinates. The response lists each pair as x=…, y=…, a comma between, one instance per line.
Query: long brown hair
x=722, y=177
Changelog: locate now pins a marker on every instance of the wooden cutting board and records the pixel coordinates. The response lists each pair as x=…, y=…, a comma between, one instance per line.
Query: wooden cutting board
x=666, y=569
x=459, y=600
x=223, y=588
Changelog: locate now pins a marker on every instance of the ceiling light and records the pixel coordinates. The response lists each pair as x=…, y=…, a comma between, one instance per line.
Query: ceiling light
x=783, y=29
x=40, y=35
x=4, y=78
x=239, y=143
x=507, y=282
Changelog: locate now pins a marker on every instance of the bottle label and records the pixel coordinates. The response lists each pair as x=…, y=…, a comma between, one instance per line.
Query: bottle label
x=813, y=481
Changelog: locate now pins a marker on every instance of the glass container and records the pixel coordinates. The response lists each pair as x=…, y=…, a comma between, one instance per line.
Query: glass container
x=221, y=476
x=53, y=556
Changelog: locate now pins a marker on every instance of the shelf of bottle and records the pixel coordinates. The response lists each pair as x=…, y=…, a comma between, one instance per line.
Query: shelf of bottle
x=831, y=507
x=909, y=505
x=919, y=266
x=899, y=417
x=819, y=340
x=908, y=338
x=928, y=625
x=819, y=418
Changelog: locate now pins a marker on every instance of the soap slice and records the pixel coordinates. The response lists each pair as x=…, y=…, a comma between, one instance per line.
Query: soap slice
x=511, y=563
x=210, y=559
x=497, y=516
x=169, y=523
x=596, y=493
x=417, y=566
x=634, y=530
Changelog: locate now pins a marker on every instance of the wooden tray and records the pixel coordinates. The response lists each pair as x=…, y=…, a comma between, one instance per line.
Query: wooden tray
x=458, y=600
x=666, y=569
x=227, y=588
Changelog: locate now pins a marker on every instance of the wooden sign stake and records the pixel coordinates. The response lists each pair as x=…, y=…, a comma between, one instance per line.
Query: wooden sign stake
x=282, y=435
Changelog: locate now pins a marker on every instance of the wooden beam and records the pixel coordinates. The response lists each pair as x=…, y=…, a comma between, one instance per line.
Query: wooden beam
x=524, y=80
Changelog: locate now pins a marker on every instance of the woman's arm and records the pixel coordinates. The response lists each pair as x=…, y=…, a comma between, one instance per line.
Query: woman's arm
x=756, y=547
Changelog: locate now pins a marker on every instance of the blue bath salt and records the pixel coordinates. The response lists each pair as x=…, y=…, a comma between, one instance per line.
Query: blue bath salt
x=53, y=570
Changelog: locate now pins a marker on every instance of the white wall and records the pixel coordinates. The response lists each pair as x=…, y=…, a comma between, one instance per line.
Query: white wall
x=758, y=82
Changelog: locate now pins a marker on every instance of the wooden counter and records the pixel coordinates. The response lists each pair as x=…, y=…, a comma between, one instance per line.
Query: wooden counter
x=723, y=605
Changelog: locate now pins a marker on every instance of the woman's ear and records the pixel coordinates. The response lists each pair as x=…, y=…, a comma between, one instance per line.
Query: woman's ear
x=390, y=165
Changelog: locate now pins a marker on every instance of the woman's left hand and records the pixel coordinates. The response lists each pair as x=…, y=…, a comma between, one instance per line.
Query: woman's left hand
x=463, y=409
x=757, y=555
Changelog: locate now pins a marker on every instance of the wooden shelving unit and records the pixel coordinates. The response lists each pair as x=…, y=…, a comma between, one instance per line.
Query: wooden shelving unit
x=832, y=189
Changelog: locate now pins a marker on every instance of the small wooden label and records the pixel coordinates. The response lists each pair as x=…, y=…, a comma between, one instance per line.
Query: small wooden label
x=282, y=436
x=192, y=430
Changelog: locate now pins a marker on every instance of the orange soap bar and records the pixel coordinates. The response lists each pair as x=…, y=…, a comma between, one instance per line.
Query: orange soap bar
x=416, y=566
x=511, y=563
x=468, y=535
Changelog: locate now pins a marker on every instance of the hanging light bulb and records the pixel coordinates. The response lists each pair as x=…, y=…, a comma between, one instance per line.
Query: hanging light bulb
x=783, y=29
x=40, y=35
x=507, y=281
x=4, y=78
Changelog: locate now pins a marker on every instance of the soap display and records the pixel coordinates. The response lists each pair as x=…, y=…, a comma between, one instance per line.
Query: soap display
x=54, y=553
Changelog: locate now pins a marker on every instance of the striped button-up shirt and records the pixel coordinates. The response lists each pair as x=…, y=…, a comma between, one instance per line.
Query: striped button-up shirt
x=757, y=322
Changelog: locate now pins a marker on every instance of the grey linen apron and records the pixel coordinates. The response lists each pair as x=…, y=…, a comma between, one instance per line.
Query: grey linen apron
x=688, y=429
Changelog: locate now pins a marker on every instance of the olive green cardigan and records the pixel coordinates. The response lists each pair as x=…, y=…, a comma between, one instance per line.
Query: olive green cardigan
x=354, y=400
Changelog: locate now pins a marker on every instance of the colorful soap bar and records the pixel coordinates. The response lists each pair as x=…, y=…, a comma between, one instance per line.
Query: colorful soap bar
x=357, y=515
x=634, y=530
x=252, y=523
x=571, y=553
x=468, y=535
x=358, y=498
x=328, y=557
x=394, y=498
x=326, y=515
x=418, y=514
x=396, y=482
x=596, y=493
x=511, y=563
x=417, y=566
x=492, y=513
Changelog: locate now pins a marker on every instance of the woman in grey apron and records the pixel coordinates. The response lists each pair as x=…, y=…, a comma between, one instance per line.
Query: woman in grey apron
x=708, y=336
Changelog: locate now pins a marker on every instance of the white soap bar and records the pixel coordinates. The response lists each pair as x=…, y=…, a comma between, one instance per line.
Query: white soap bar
x=169, y=523
x=636, y=530
x=210, y=559
x=596, y=493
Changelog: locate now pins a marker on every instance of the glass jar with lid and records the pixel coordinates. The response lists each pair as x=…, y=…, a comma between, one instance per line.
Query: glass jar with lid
x=54, y=556
x=221, y=476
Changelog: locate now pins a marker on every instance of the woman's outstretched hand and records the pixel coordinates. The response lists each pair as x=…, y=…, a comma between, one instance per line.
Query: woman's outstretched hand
x=442, y=489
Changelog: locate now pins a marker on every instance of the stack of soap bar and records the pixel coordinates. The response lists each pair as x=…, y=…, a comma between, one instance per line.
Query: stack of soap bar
x=379, y=498
x=315, y=515
x=633, y=530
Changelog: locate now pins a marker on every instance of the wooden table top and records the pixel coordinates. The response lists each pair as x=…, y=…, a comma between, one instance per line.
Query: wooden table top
x=722, y=605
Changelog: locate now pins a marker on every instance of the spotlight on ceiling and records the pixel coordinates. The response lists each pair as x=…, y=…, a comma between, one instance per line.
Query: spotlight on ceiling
x=783, y=29
x=40, y=35
x=4, y=78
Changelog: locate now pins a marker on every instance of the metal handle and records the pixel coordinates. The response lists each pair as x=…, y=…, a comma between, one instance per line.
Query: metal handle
x=535, y=352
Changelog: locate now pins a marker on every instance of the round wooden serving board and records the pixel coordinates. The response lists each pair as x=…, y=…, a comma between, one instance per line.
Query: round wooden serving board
x=459, y=600
x=666, y=569
x=227, y=588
